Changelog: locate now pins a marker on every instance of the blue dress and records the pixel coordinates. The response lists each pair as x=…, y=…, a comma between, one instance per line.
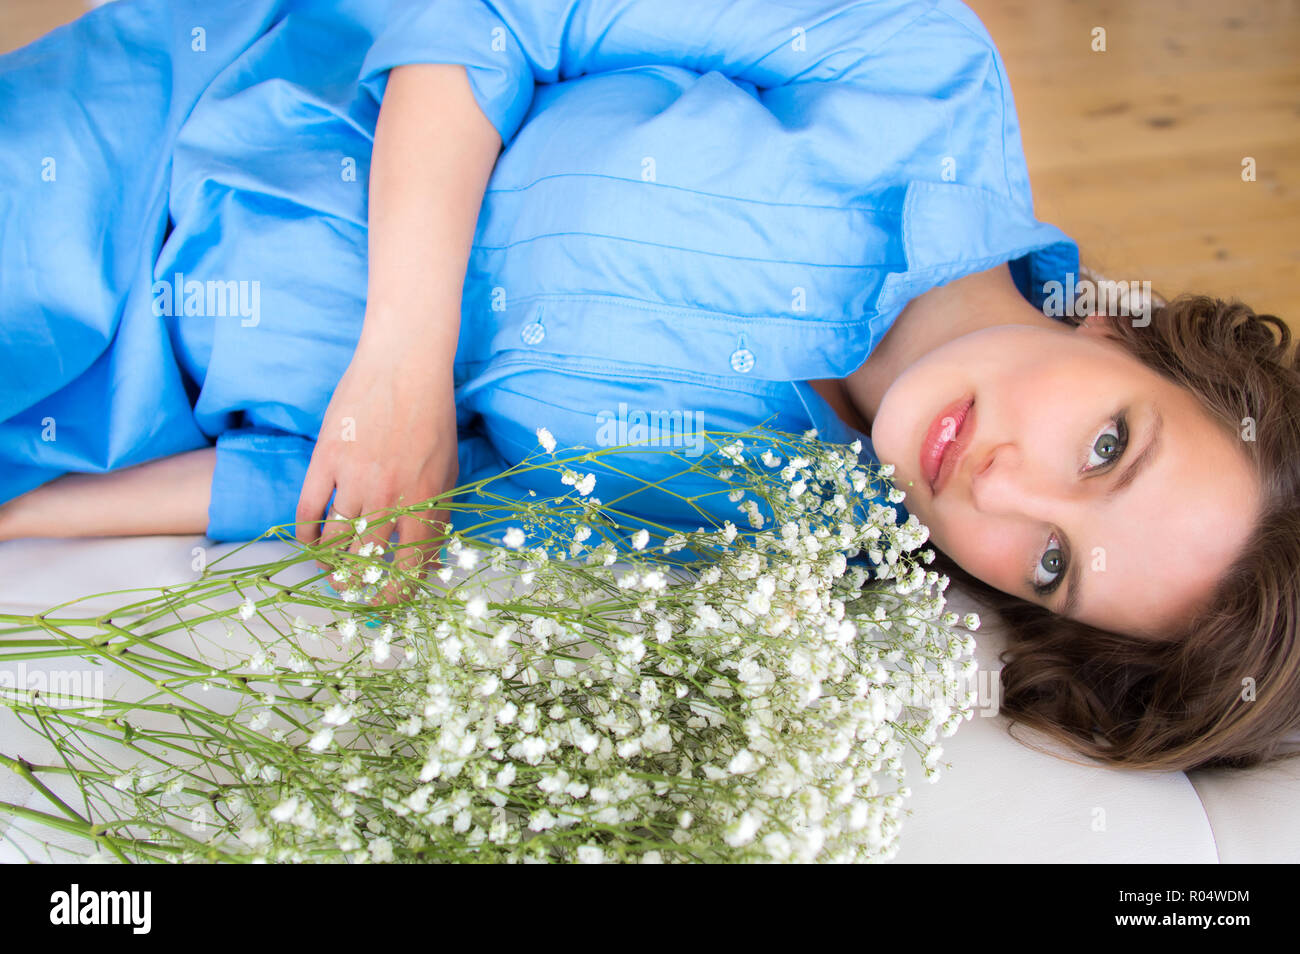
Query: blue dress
x=694, y=213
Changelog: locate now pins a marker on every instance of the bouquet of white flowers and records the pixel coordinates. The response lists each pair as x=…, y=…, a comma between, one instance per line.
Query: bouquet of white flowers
x=561, y=689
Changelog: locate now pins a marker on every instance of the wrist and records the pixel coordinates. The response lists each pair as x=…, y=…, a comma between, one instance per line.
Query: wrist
x=424, y=332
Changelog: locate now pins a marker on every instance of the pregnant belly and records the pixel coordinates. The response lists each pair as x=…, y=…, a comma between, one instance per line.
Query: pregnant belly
x=675, y=423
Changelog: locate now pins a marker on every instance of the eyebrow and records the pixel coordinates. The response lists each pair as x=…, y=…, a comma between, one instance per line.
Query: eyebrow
x=1126, y=477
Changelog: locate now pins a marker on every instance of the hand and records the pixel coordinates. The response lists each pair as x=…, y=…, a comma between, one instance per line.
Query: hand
x=388, y=439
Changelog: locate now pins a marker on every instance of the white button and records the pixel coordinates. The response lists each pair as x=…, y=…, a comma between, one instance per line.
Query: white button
x=532, y=333
x=742, y=359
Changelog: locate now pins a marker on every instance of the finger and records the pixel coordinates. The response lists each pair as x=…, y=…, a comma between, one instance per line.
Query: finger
x=416, y=553
x=379, y=526
x=410, y=555
x=337, y=527
x=374, y=542
x=312, y=500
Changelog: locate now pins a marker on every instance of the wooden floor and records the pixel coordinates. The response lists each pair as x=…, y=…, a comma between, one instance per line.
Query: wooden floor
x=1136, y=151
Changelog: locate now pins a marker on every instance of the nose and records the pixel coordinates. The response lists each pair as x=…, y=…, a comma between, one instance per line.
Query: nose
x=1002, y=479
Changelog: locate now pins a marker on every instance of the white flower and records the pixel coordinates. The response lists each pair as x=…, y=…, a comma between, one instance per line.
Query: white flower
x=246, y=608
x=514, y=538
x=532, y=749
x=322, y=739
x=586, y=485
x=467, y=559
x=381, y=850
x=541, y=820
x=640, y=539
x=734, y=451
x=742, y=762
x=706, y=617
x=285, y=810
x=337, y=714
x=546, y=440
x=476, y=608
x=591, y=854
x=742, y=831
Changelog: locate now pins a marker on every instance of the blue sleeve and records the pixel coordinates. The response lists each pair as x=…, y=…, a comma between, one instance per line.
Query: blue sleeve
x=256, y=482
x=509, y=45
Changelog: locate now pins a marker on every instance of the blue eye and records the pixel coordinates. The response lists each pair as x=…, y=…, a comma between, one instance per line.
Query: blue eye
x=1109, y=447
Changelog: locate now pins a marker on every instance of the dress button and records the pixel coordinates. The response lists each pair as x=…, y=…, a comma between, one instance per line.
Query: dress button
x=532, y=333
x=742, y=360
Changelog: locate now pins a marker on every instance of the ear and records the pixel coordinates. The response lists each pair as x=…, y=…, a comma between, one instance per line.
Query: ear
x=1094, y=326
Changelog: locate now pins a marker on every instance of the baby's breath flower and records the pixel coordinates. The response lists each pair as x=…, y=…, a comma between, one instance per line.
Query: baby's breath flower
x=754, y=707
x=381, y=851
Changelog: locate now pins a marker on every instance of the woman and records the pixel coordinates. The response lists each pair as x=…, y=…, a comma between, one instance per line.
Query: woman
x=812, y=217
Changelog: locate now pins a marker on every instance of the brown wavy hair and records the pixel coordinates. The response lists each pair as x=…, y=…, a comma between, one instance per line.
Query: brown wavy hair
x=1225, y=689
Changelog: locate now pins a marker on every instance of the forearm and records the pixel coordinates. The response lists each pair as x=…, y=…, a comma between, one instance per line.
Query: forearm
x=433, y=154
x=167, y=495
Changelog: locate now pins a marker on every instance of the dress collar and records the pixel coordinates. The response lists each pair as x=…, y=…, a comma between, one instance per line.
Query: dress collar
x=951, y=230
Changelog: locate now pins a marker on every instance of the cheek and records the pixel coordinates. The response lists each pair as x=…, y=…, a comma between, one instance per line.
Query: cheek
x=985, y=548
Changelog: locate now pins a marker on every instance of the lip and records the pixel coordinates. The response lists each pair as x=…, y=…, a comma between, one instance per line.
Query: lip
x=945, y=441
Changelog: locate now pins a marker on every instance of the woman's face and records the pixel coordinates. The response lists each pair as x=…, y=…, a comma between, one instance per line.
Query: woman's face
x=1042, y=471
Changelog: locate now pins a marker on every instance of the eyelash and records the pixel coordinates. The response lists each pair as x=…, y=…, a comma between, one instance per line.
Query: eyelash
x=1120, y=424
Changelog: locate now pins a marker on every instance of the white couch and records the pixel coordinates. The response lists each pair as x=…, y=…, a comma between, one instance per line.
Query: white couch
x=999, y=801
